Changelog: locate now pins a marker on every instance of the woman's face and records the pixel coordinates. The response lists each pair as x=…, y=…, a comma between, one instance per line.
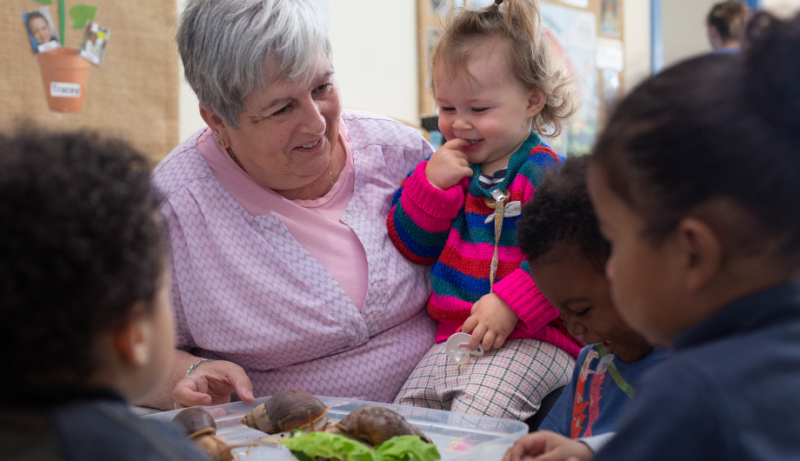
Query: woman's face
x=39, y=30
x=288, y=132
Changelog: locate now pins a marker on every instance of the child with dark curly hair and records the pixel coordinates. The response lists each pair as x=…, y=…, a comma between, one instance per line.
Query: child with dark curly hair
x=84, y=299
x=567, y=255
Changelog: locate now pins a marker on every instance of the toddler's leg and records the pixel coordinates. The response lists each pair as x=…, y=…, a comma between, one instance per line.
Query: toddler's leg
x=509, y=382
x=419, y=389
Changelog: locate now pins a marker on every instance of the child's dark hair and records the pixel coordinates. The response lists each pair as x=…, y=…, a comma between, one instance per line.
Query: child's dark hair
x=518, y=21
x=560, y=217
x=716, y=128
x=729, y=18
x=80, y=246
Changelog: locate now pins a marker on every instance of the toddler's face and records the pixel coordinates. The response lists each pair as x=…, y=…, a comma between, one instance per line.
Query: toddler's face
x=644, y=277
x=40, y=30
x=581, y=294
x=490, y=109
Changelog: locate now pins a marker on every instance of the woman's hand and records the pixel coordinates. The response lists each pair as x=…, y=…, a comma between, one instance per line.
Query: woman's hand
x=548, y=446
x=490, y=323
x=212, y=383
x=448, y=165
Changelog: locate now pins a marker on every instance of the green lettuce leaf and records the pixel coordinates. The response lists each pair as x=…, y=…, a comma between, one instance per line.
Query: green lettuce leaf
x=328, y=446
x=406, y=448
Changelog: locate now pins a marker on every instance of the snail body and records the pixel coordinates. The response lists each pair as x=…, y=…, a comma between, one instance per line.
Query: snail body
x=285, y=411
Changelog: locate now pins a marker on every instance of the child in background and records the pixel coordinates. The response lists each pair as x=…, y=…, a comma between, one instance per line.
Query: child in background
x=695, y=185
x=84, y=300
x=567, y=255
x=496, y=89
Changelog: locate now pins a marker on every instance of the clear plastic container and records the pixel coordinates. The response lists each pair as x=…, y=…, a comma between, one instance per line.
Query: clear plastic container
x=457, y=436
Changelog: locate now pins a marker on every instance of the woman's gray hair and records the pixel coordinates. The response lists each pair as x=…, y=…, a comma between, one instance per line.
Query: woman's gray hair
x=227, y=45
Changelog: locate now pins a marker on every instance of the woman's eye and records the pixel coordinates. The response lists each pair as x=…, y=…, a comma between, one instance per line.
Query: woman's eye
x=322, y=88
x=282, y=110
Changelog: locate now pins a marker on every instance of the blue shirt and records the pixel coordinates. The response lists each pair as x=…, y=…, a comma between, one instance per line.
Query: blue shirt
x=592, y=402
x=730, y=392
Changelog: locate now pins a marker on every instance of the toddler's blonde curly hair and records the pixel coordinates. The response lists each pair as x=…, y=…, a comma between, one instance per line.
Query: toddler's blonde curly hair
x=519, y=23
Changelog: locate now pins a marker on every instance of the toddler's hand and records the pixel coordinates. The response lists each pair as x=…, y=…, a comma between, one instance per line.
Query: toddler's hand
x=490, y=323
x=448, y=165
x=548, y=446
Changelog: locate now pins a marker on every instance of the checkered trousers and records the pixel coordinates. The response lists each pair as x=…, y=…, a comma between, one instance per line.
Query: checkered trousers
x=509, y=382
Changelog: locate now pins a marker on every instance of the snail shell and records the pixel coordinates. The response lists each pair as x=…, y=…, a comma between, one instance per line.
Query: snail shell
x=377, y=425
x=285, y=411
x=196, y=421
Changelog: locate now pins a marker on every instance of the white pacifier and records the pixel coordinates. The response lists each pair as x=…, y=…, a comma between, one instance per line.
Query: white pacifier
x=457, y=348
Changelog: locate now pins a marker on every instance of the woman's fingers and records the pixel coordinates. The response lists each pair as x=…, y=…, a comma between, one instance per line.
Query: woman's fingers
x=241, y=383
x=213, y=384
x=187, y=395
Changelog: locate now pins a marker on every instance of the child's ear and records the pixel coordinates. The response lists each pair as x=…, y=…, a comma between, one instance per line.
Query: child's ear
x=536, y=102
x=133, y=342
x=702, y=252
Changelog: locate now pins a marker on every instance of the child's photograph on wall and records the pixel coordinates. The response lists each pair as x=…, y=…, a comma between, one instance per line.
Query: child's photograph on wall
x=609, y=17
x=93, y=43
x=41, y=31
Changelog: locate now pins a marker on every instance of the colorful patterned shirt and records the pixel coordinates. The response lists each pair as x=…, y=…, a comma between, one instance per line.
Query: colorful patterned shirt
x=449, y=229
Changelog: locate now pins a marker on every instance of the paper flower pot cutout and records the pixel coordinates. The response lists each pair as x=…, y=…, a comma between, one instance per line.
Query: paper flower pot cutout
x=64, y=75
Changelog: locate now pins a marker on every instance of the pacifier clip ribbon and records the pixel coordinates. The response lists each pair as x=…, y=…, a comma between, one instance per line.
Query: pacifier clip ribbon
x=499, y=209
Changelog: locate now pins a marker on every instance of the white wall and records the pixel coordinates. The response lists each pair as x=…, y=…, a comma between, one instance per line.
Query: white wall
x=374, y=56
x=684, y=25
x=636, y=17
x=782, y=7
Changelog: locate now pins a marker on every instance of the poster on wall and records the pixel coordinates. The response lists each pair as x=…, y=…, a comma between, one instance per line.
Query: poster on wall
x=573, y=35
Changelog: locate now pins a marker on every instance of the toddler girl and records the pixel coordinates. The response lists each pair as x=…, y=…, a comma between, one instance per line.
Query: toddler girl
x=496, y=89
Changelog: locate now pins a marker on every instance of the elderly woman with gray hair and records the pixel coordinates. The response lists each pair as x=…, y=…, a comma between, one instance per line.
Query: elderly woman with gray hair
x=283, y=272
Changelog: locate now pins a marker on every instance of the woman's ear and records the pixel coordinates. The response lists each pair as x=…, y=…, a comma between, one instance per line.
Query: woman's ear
x=702, y=253
x=536, y=102
x=216, y=123
x=133, y=341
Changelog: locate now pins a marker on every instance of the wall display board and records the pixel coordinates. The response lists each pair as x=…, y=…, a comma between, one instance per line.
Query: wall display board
x=587, y=37
x=110, y=66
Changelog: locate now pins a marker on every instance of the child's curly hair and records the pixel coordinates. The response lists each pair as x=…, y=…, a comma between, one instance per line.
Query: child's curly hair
x=518, y=21
x=560, y=217
x=80, y=248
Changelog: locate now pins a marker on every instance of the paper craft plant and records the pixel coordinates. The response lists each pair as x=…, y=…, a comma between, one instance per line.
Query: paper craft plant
x=64, y=71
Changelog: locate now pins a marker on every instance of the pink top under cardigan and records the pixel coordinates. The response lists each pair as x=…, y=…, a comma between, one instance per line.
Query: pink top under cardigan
x=315, y=224
x=245, y=290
